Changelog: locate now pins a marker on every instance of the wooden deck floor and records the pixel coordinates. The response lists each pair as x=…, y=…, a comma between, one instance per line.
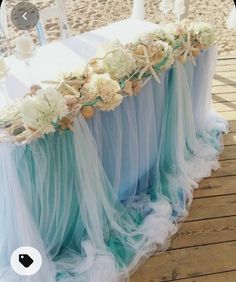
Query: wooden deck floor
x=204, y=249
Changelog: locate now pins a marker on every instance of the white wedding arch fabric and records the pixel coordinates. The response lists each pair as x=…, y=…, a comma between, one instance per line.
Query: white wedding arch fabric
x=97, y=202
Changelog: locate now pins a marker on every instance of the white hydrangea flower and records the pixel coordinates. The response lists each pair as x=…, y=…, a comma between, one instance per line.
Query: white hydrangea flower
x=204, y=33
x=103, y=86
x=165, y=33
x=112, y=104
x=39, y=112
x=119, y=63
x=159, y=51
x=9, y=113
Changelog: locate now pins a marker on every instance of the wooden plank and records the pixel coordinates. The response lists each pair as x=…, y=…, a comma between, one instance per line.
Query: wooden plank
x=230, y=139
x=223, y=61
x=229, y=115
x=230, y=66
x=225, y=68
x=202, y=251
x=226, y=63
x=223, y=83
x=232, y=126
x=223, y=89
x=226, y=76
x=229, y=79
x=190, y=262
x=227, y=168
x=216, y=187
x=224, y=106
x=225, y=97
x=219, y=277
x=212, y=207
x=226, y=57
x=229, y=152
x=205, y=232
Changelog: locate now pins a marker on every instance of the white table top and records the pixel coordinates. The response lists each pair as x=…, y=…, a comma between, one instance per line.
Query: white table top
x=65, y=56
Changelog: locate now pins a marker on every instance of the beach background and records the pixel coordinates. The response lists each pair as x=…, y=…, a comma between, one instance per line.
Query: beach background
x=85, y=15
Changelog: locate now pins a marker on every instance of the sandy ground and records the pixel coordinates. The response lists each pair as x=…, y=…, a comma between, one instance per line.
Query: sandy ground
x=85, y=15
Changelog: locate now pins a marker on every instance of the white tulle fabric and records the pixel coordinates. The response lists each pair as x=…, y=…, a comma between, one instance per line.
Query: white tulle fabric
x=128, y=140
x=206, y=119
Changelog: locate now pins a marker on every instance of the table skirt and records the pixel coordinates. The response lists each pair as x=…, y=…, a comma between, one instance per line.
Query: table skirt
x=167, y=122
x=97, y=201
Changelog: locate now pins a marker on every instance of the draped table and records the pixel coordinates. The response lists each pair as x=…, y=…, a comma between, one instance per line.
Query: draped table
x=97, y=201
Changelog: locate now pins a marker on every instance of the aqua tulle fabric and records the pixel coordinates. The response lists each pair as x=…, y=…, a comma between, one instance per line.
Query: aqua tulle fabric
x=59, y=201
x=97, y=201
x=128, y=140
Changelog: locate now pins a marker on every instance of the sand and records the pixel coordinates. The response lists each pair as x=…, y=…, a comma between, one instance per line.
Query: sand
x=85, y=15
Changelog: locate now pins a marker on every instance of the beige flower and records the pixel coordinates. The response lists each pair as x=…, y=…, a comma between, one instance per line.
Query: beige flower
x=101, y=85
x=114, y=102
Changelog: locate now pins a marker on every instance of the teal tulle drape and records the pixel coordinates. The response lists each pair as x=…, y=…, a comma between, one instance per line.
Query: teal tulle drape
x=97, y=201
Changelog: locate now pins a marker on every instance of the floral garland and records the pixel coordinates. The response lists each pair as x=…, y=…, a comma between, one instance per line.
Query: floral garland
x=118, y=72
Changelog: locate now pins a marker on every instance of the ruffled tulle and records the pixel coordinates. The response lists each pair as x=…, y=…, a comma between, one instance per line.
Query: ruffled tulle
x=87, y=233
x=99, y=201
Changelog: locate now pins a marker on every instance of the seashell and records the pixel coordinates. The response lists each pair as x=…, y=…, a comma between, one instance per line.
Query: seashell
x=179, y=31
x=63, y=90
x=181, y=58
x=66, y=123
x=128, y=87
x=199, y=46
x=137, y=86
x=71, y=100
x=33, y=89
x=87, y=112
x=139, y=50
x=66, y=92
x=118, y=99
x=195, y=53
x=157, y=57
